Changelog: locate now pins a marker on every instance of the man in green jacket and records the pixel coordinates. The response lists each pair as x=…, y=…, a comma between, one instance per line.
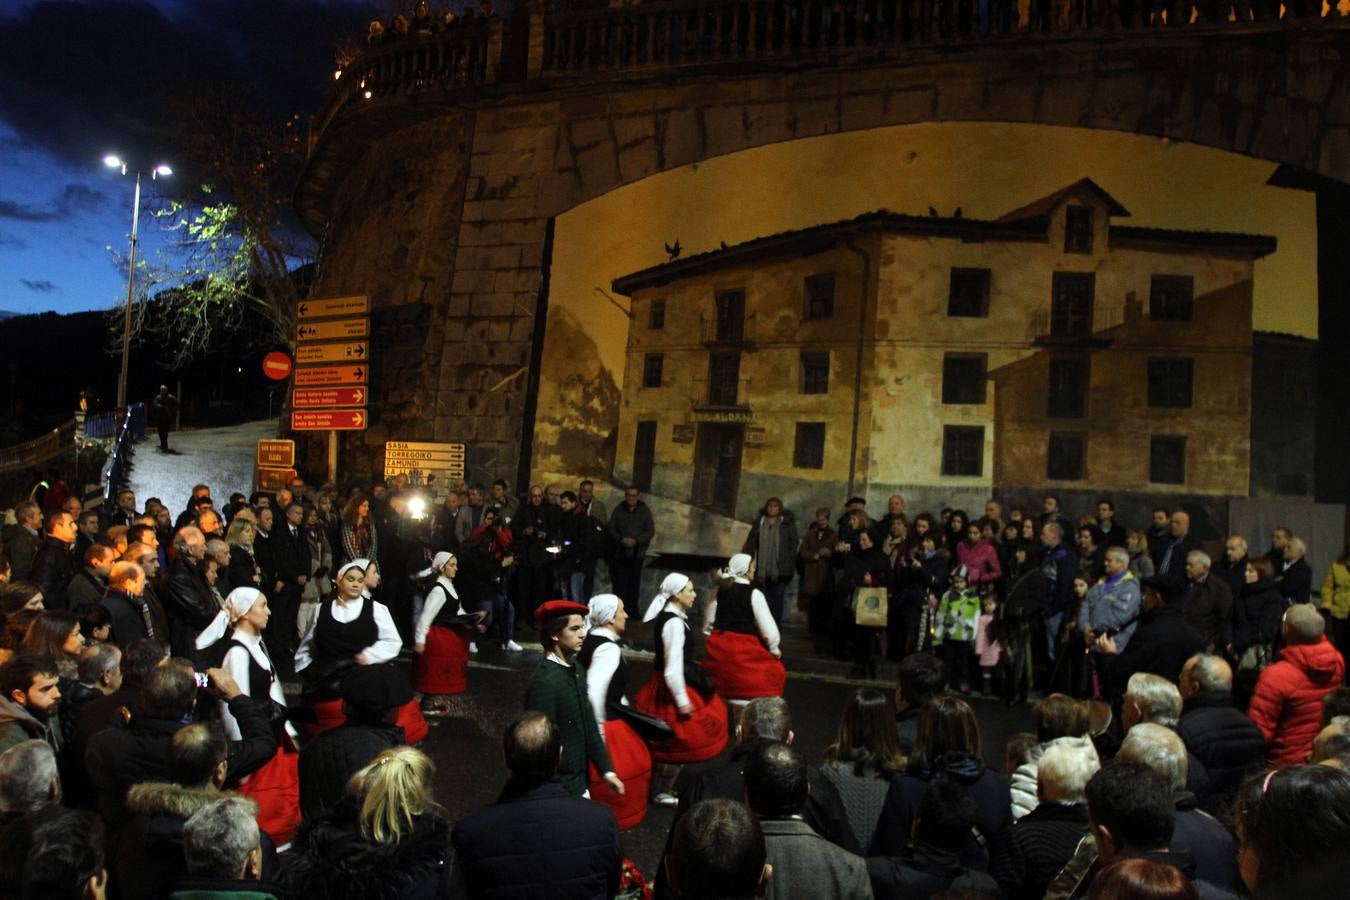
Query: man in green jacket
x=558, y=690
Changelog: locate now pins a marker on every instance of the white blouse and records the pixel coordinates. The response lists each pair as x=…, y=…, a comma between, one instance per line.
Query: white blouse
x=386, y=645
x=431, y=607
x=768, y=628
x=672, y=638
x=236, y=662
x=604, y=663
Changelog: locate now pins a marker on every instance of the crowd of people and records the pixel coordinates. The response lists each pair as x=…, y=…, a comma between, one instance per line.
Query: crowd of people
x=1192, y=734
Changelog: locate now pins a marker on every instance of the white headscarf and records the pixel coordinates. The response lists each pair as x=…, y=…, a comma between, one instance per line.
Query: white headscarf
x=672, y=585
x=604, y=607
x=438, y=562
x=738, y=566
x=361, y=564
x=237, y=605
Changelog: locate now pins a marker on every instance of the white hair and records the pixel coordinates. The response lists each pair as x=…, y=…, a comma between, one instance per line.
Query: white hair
x=26, y=773
x=1158, y=699
x=1065, y=769
x=1201, y=557
x=218, y=838
x=1212, y=673
x=1160, y=749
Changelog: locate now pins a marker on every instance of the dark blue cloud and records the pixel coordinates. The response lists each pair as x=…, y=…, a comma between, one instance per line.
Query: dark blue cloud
x=40, y=287
x=73, y=200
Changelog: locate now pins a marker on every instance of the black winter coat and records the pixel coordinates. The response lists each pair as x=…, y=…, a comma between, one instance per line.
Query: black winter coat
x=988, y=788
x=190, y=606
x=120, y=757
x=571, y=844
x=53, y=568
x=923, y=871
x=1038, y=846
x=330, y=859
x=1161, y=645
x=328, y=761
x=1257, y=614
x=1226, y=742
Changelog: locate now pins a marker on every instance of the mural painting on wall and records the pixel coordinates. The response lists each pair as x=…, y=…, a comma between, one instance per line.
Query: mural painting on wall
x=1067, y=339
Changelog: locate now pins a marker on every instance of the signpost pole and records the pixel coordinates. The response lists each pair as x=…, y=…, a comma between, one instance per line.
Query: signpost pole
x=332, y=456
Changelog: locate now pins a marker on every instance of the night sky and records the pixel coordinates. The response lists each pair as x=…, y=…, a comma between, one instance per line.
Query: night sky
x=83, y=79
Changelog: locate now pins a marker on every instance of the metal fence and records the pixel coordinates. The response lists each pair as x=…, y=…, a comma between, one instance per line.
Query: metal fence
x=130, y=429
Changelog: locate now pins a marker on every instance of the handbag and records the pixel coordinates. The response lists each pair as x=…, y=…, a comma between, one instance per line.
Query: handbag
x=870, y=607
x=649, y=728
x=1255, y=658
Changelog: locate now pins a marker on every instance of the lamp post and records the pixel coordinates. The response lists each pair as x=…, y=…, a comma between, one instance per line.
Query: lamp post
x=116, y=162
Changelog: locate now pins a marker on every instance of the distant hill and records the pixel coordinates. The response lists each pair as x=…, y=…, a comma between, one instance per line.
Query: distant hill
x=6, y=314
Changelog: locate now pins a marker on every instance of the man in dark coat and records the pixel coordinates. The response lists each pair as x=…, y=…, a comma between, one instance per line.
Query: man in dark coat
x=164, y=413
x=118, y=758
x=53, y=564
x=807, y=865
x=571, y=844
x=136, y=613
x=1227, y=743
x=1042, y=841
x=291, y=559
x=1172, y=567
x=1233, y=567
x=1161, y=644
x=22, y=539
x=631, y=530
x=932, y=863
x=1060, y=567
x=371, y=699
x=188, y=600
x=1207, y=602
x=1293, y=574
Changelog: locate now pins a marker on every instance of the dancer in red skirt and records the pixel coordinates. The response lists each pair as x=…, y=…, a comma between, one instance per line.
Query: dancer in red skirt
x=677, y=692
x=351, y=628
x=606, y=687
x=276, y=786
x=741, y=658
x=441, y=640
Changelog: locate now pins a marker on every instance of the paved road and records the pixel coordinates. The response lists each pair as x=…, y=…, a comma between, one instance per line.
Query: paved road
x=219, y=457
x=469, y=769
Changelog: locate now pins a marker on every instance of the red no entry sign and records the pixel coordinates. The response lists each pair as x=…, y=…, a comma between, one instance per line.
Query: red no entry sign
x=276, y=365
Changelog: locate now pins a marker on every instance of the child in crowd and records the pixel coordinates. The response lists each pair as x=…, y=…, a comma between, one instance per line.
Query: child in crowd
x=957, y=619
x=987, y=645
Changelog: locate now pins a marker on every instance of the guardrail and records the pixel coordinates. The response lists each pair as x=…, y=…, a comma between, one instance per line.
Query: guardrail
x=40, y=449
x=131, y=428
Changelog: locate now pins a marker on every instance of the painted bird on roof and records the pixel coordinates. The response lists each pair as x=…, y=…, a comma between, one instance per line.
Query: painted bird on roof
x=673, y=250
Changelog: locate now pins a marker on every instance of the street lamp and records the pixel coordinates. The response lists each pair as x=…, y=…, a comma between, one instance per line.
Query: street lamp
x=116, y=162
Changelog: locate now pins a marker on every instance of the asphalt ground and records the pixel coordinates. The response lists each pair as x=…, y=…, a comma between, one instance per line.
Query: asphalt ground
x=466, y=747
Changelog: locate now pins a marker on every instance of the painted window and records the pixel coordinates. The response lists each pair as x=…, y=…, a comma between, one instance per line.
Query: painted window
x=1078, y=229
x=1068, y=387
x=1171, y=381
x=820, y=296
x=1066, y=458
x=963, y=378
x=652, y=364
x=1171, y=298
x=963, y=450
x=968, y=294
x=657, y=319
x=808, y=449
x=816, y=372
x=1167, y=459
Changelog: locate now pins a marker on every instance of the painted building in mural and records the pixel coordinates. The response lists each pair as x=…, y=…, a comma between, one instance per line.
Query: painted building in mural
x=944, y=358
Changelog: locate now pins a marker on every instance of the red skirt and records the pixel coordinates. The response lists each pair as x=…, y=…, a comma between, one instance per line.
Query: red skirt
x=328, y=715
x=441, y=666
x=741, y=668
x=276, y=789
x=633, y=764
x=697, y=738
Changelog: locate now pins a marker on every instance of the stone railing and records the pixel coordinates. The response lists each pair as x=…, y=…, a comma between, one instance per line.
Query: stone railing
x=537, y=45
x=462, y=56
x=682, y=32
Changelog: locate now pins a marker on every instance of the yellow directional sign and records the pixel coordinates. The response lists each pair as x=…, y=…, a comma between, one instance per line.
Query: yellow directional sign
x=446, y=461
x=334, y=306
x=356, y=351
x=336, y=330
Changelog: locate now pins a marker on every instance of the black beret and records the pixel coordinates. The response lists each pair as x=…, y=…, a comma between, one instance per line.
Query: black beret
x=376, y=688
